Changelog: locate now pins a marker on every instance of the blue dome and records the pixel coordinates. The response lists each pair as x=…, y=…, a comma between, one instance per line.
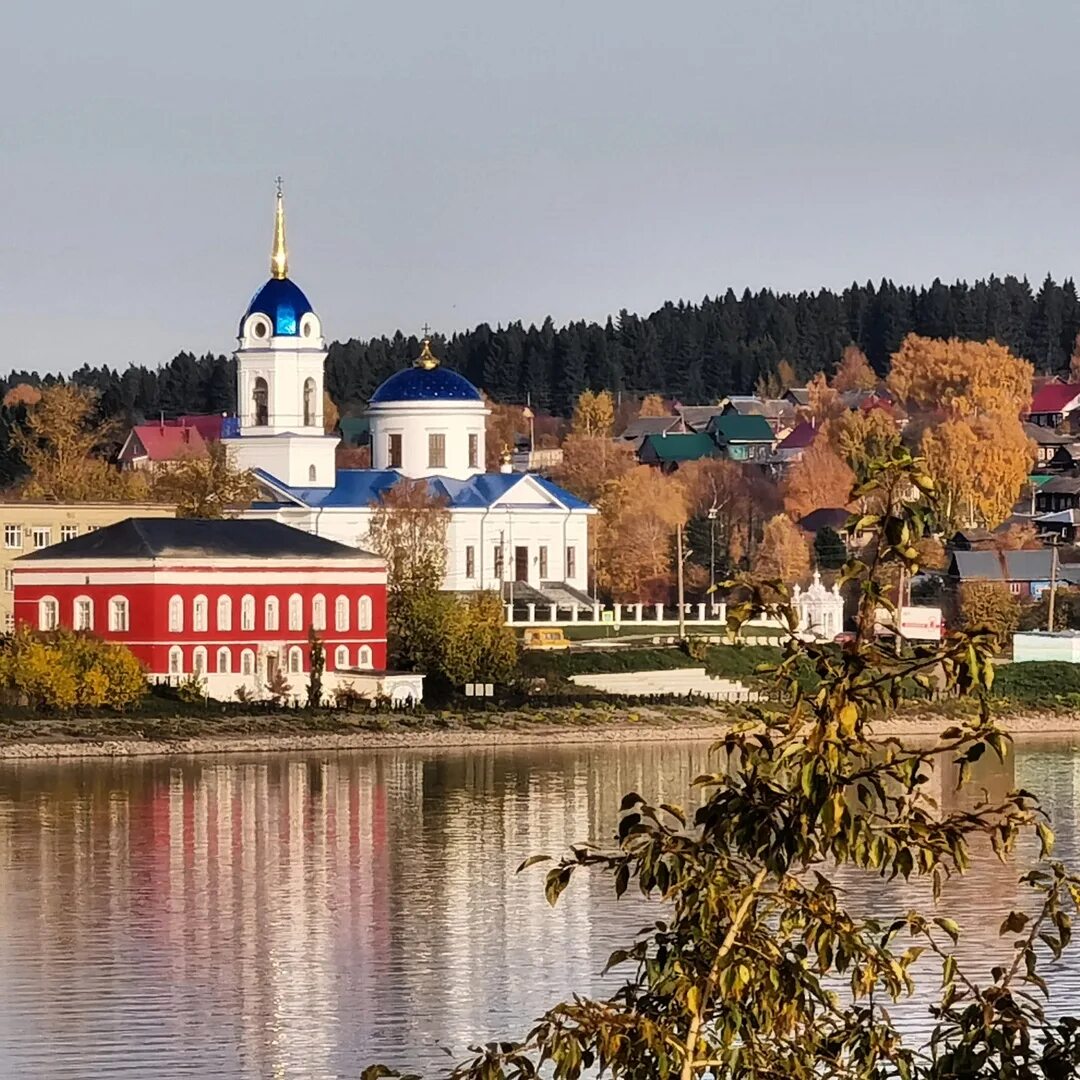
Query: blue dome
x=283, y=303
x=426, y=384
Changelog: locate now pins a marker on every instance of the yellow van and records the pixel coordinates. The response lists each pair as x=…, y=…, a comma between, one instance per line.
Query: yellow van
x=544, y=638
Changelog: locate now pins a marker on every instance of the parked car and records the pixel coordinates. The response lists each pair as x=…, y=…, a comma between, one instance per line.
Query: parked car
x=545, y=638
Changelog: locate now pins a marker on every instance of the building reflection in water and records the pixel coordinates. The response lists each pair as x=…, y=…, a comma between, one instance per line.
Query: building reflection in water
x=294, y=916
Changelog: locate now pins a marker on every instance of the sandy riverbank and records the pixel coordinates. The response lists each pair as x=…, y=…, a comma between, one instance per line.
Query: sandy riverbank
x=532, y=728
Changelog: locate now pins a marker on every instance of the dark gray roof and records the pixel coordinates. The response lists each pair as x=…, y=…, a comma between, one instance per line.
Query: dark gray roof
x=835, y=517
x=1061, y=485
x=173, y=538
x=652, y=425
x=1009, y=566
x=697, y=417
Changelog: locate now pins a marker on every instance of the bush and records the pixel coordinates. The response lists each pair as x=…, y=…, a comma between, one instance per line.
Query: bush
x=1037, y=681
x=62, y=670
x=989, y=604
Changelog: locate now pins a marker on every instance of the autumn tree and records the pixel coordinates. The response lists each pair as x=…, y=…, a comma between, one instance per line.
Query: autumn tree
x=783, y=553
x=1019, y=536
x=817, y=481
x=501, y=429
x=21, y=394
x=60, y=446
x=854, y=371
x=774, y=383
x=1074, y=360
x=860, y=436
x=639, y=514
x=824, y=402
x=590, y=463
x=205, y=486
x=960, y=378
x=989, y=604
x=408, y=529
x=653, y=405
x=594, y=414
x=331, y=416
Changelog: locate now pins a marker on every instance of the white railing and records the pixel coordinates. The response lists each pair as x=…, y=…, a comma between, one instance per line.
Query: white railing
x=616, y=615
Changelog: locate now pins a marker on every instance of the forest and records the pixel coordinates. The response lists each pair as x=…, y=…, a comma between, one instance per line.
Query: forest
x=693, y=352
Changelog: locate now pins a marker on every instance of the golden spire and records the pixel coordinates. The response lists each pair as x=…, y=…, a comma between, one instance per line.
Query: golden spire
x=279, y=257
x=427, y=359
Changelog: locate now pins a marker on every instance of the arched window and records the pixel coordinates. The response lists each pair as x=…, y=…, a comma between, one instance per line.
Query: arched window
x=270, y=613
x=224, y=661
x=363, y=613
x=224, y=613
x=341, y=613
x=176, y=660
x=176, y=614
x=200, y=615
x=247, y=613
x=198, y=660
x=309, y=403
x=260, y=401
x=48, y=613
x=84, y=613
x=296, y=660
x=312, y=475
x=363, y=657
x=118, y=615
x=247, y=662
x=296, y=612
x=341, y=658
x=318, y=612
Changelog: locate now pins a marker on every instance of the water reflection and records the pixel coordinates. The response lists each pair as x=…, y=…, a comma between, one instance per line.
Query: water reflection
x=300, y=916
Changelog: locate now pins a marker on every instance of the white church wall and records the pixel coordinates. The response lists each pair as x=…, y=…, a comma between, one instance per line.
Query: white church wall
x=415, y=422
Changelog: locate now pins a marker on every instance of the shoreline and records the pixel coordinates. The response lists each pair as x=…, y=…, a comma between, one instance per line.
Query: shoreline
x=592, y=727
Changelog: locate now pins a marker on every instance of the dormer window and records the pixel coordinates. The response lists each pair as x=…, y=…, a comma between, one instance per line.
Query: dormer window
x=260, y=402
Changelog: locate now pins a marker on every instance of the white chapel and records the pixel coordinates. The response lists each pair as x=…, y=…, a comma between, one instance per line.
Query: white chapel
x=517, y=533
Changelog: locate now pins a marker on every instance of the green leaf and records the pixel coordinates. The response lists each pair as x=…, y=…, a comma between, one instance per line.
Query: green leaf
x=950, y=926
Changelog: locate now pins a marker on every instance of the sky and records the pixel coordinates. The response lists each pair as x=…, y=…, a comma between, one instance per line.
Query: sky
x=490, y=160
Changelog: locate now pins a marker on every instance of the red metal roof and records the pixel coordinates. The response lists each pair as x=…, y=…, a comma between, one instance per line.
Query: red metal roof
x=1053, y=397
x=801, y=436
x=165, y=442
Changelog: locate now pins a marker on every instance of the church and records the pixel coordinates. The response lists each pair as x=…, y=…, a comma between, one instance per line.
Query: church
x=516, y=533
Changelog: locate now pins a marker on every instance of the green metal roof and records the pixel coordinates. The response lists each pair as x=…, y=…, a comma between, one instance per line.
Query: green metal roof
x=736, y=428
x=1038, y=479
x=677, y=447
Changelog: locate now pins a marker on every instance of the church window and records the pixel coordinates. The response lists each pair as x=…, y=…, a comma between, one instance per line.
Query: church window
x=341, y=613
x=571, y=562
x=474, y=450
x=309, y=403
x=48, y=613
x=224, y=661
x=247, y=613
x=393, y=452
x=118, y=614
x=176, y=614
x=200, y=614
x=260, y=400
x=543, y=563
x=312, y=475
x=436, y=450
x=498, y=561
x=318, y=612
x=259, y=329
x=296, y=612
x=270, y=613
x=470, y=562
x=224, y=613
x=363, y=613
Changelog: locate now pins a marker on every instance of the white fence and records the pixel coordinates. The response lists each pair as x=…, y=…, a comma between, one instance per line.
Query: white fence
x=616, y=615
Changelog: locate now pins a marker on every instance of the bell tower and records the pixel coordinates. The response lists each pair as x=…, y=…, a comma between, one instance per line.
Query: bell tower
x=279, y=371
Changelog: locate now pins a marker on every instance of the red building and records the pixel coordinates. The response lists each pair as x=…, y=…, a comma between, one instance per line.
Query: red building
x=231, y=601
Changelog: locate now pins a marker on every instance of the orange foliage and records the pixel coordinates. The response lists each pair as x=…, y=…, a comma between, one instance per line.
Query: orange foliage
x=639, y=514
x=653, y=405
x=824, y=402
x=22, y=394
x=1020, y=536
x=854, y=371
x=962, y=378
x=353, y=457
x=784, y=552
x=502, y=426
x=820, y=479
x=590, y=462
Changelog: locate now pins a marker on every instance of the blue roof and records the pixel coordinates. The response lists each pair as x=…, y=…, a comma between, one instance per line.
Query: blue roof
x=362, y=487
x=283, y=303
x=426, y=384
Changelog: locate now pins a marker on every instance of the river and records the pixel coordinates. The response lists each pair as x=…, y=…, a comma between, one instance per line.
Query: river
x=304, y=915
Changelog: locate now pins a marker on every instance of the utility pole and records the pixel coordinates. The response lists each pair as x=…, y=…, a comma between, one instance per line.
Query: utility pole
x=1053, y=582
x=712, y=548
x=679, y=560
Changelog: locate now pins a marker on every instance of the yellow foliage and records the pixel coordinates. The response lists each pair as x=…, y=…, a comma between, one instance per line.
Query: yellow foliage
x=205, y=487
x=861, y=436
x=784, y=552
x=590, y=462
x=989, y=604
x=962, y=378
x=823, y=401
x=594, y=414
x=817, y=481
x=653, y=405
x=64, y=670
x=854, y=371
